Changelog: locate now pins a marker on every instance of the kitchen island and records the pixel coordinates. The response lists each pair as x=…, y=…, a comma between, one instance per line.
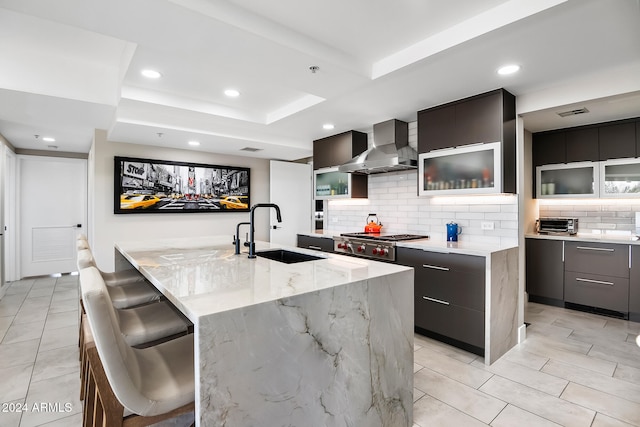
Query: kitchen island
x=326, y=342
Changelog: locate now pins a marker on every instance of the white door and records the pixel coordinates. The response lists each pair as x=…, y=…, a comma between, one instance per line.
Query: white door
x=9, y=227
x=53, y=211
x=290, y=188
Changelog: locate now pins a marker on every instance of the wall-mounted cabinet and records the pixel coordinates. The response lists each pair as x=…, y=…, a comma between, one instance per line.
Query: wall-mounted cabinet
x=338, y=149
x=579, y=179
x=329, y=183
x=474, y=169
x=620, y=178
x=480, y=119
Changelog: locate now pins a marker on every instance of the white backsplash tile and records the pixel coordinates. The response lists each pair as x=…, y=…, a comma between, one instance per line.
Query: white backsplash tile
x=596, y=216
x=393, y=197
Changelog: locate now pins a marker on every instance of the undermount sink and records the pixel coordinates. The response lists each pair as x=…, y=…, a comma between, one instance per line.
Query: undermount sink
x=288, y=257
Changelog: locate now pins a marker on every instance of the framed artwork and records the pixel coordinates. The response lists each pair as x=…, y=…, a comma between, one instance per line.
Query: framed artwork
x=161, y=186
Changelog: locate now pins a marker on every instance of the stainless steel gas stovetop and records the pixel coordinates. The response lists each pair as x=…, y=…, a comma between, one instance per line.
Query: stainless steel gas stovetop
x=371, y=245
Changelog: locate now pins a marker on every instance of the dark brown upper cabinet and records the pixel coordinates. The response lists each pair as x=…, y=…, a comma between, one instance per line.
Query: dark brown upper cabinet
x=488, y=117
x=338, y=149
x=549, y=148
x=617, y=141
x=582, y=145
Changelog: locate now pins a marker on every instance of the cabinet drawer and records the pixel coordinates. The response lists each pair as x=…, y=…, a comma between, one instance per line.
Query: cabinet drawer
x=442, y=261
x=316, y=243
x=597, y=258
x=452, y=321
x=595, y=290
x=454, y=287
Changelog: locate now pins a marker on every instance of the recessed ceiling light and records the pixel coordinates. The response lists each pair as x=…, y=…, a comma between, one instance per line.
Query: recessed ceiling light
x=508, y=69
x=232, y=93
x=151, y=74
x=194, y=143
x=48, y=139
x=328, y=126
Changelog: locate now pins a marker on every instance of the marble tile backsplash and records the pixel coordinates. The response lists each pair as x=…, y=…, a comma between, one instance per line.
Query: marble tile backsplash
x=602, y=216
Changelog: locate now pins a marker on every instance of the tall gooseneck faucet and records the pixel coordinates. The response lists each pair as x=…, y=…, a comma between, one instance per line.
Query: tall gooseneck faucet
x=252, y=244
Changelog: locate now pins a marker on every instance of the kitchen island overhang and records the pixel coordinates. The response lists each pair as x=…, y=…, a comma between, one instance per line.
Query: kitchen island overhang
x=327, y=341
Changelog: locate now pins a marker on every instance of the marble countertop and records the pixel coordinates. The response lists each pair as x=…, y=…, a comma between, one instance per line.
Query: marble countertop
x=461, y=247
x=588, y=237
x=203, y=276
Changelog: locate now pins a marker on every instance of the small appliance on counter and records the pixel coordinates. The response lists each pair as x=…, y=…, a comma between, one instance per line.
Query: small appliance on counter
x=557, y=226
x=453, y=230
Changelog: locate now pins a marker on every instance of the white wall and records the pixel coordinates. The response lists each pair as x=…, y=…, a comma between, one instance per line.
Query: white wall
x=106, y=228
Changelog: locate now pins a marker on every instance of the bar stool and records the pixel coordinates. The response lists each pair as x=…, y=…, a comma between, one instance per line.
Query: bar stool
x=130, y=385
x=127, y=288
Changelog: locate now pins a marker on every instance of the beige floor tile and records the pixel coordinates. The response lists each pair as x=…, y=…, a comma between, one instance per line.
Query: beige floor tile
x=564, y=344
x=513, y=416
x=64, y=305
x=452, y=368
x=623, y=325
x=45, y=282
x=24, y=332
x=60, y=337
x=62, y=404
x=607, y=384
x=577, y=320
x=60, y=320
x=602, y=402
x=28, y=314
x=417, y=394
x=76, y=421
x=446, y=349
x=10, y=304
x=596, y=337
x=57, y=362
x=538, y=403
x=602, y=420
x=15, y=382
x=627, y=373
x=519, y=356
x=530, y=377
x=19, y=353
x=430, y=412
x=459, y=396
x=417, y=367
x=11, y=418
x=548, y=330
x=39, y=292
x=592, y=363
x=65, y=295
x=626, y=353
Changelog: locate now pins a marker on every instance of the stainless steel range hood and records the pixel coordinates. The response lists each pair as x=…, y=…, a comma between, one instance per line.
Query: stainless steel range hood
x=391, y=151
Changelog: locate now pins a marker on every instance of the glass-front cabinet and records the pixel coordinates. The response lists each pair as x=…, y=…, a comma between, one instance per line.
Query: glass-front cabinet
x=580, y=179
x=329, y=183
x=474, y=169
x=620, y=178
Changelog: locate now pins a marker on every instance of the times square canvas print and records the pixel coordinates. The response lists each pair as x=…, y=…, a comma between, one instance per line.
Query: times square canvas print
x=157, y=186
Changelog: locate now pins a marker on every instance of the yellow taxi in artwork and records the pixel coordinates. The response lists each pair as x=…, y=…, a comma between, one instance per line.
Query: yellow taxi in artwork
x=138, y=201
x=234, y=202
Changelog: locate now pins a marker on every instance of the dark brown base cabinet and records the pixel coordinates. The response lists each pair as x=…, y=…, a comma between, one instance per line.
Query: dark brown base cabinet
x=323, y=244
x=595, y=276
x=449, y=296
x=545, y=271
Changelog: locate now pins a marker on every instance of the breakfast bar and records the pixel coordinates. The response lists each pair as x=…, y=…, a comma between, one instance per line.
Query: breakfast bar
x=327, y=341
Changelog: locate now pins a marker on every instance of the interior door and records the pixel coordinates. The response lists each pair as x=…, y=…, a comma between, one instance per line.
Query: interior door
x=53, y=211
x=291, y=189
x=9, y=227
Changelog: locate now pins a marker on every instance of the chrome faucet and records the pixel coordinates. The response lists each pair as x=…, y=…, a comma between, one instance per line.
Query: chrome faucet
x=236, y=238
x=252, y=244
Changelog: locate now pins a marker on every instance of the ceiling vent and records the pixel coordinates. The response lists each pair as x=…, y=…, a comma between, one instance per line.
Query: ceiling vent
x=251, y=149
x=573, y=112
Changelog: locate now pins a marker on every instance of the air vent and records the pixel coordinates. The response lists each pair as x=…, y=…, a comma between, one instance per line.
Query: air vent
x=251, y=149
x=573, y=112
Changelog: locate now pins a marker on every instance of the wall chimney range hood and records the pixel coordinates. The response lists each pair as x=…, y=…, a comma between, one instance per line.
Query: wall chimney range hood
x=391, y=151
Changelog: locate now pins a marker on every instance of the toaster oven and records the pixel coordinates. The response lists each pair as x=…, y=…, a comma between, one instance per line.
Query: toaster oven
x=557, y=226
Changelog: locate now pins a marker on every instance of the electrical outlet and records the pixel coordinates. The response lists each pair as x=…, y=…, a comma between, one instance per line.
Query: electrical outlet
x=487, y=225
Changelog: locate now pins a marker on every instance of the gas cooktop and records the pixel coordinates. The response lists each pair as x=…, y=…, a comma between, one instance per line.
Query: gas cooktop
x=385, y=237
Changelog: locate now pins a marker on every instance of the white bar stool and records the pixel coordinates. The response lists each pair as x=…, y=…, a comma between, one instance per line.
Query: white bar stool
x=148, y=384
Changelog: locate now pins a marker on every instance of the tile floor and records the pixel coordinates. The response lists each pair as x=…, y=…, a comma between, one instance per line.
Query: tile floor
x=575, y=369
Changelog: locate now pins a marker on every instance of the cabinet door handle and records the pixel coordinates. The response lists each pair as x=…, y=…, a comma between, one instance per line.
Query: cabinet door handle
x=589, y=248
x=435, y=267
x=317, y=248
x=439, y=301
x=597, y=282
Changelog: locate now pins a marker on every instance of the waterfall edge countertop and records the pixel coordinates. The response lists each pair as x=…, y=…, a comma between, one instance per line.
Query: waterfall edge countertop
x=202, y=276
x=326, y=342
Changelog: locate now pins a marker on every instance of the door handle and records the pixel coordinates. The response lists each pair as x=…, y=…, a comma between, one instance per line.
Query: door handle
x=275, y=227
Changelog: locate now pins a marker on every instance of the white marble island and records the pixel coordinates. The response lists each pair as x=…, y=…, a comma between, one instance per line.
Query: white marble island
x=326, y=342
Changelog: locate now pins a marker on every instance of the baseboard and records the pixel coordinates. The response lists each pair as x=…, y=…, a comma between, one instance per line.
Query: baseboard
x=522, y=333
